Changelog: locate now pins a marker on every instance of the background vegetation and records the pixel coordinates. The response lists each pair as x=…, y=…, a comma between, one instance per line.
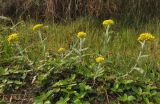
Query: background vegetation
x=128, y=11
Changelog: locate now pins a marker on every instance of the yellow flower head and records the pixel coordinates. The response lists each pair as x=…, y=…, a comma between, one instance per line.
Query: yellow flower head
x=100, y=59
x=12, y=38
x=81, y=35
x=37, y=26
x=145, y=36
x=61, y=50
x=108, y=22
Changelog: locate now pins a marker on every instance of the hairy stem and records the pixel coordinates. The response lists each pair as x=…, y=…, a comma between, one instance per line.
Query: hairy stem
x=137, y=60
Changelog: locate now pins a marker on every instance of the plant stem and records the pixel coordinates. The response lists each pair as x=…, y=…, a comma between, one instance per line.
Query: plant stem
x=80, y=48
x=62, y=55
x=137, y=60
x=106, y=37
x=24, y=56
x=107, y=31
x=20, y=50
x=95, y=75
x=42, y=42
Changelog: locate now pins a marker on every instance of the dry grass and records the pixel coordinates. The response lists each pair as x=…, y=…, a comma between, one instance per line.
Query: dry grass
x=69, y=9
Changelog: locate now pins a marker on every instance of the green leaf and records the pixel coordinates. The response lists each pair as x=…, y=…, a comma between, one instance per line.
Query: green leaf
x=84, y=87
x=126, y=98
x=123, y=98
x=2, y=88
x=142, y=56
x=42, y=77
x=99, y=73
x=18, y=82
x=69, y=87
x=147, y=101
x=77, y=51
x=131, y=98
x=127, y=81
x=63, y=100
x=3, y=71
x=43, y=97
x=38, y=100
x=60, y=83
x=47, y=102
x=140, y=91
x=49, y=93
x=77, y=101
x=66, y=81
x=116, y=86
x=5, y=18
x=139, y=69
x=56, y=90
x=80, y=95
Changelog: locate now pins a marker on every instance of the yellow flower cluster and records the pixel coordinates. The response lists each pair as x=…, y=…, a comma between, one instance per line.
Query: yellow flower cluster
x=37, y=26
x=61, y=50
x=145, y=36
x=108, y=22
x=81, y=35
x=100, y=59
x=12, y=38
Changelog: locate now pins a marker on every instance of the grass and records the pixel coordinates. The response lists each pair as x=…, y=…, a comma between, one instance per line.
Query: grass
x=120, y=56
